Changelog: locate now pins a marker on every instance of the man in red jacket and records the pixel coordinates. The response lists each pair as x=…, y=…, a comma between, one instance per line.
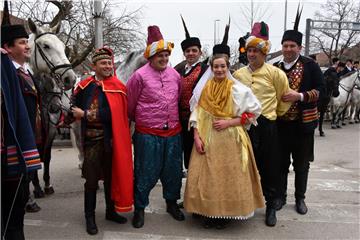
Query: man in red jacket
x=100, y=102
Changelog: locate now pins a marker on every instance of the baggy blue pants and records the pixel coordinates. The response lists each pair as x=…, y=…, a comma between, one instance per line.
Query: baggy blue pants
x=156, y=158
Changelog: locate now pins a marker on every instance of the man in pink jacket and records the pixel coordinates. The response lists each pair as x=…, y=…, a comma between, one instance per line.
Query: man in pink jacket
x=153, y=98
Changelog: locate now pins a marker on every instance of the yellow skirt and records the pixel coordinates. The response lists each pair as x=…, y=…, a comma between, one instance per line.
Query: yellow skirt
x=218, y=185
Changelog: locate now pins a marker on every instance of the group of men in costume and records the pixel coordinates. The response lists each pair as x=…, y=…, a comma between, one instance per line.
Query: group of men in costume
x=157, y=98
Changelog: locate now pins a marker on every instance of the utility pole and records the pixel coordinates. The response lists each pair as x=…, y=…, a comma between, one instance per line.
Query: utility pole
x=98, y=23
x=215, y=35
x=285, y=16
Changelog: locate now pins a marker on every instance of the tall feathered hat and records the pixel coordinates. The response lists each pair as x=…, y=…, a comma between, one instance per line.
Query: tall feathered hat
x=294, y=35
x=259, y=38
x=156, y=42
x=189, y=41
x=10, y=32
x=223, y=47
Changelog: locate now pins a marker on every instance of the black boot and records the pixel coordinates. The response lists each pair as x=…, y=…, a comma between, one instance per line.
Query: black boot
x=270, y=218
x=111, y=215
x=173, y=209
x=138, y=219
x=300, y=189
x=301, y=207
x=90, y=205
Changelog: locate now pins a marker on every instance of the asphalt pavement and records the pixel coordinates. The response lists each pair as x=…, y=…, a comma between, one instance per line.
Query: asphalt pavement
x=332, y=199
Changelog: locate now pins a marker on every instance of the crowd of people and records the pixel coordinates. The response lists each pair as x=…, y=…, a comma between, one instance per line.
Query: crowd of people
x=236, y=134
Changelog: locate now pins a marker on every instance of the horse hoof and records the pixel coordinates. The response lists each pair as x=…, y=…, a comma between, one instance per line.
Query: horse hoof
x=344, y=124
x=333, y=127
x=322, y=134
x=351, y=122
x=338, y=126
x=49, y=190
x=39, y=193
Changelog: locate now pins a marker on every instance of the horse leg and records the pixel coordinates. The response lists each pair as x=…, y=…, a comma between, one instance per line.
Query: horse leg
x=48, y=188
x=357, y=114
x=352, y=114
x=333, y=120
x=321, y=119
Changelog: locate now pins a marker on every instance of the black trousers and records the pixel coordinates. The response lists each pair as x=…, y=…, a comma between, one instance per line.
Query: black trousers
x=264, y=139
x=298, y=146
x=15, y=229
x=97, y=164
x=187, y=142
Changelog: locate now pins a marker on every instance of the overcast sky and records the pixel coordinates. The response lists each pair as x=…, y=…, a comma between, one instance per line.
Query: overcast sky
x=200, y=16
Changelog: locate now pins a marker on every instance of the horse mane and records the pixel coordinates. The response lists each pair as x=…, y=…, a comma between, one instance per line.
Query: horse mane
x=347, y=75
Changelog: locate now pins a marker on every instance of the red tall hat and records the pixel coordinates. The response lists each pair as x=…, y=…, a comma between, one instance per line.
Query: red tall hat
x=154, y=34
x=156, y=42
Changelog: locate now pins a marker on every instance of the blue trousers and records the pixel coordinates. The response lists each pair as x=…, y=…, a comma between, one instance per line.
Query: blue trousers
x=157, y=158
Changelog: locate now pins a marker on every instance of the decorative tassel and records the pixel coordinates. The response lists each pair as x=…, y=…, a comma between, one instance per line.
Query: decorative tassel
x=297, y=19
x=187, y=34
x=6, y=15
x=226, y=34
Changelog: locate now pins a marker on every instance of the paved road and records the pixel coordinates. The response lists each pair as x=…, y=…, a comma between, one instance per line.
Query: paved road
x=332, y=198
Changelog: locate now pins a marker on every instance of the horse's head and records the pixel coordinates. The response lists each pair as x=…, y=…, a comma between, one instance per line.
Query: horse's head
x=48, y=55
x=332, y=83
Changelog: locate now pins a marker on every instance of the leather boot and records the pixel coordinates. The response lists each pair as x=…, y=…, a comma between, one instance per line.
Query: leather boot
x=111, y=215
x=173, y=209
x=301, y=207
x=90, y=205
x=138, y=219
x=301, y=178
x=270, y=218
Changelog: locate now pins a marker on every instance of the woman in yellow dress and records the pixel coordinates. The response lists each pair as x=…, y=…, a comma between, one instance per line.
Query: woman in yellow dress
x=223, y=182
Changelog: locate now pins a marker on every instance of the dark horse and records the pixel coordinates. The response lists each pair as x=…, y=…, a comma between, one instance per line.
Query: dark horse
x=332, y=90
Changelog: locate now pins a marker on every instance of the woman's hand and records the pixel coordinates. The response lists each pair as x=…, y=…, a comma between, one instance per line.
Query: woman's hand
x=221, y=124
x=199, y=144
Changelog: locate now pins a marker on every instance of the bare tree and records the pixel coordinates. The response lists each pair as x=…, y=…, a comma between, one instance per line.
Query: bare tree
x=121, y=32
x=335, y=42
x=250, y=13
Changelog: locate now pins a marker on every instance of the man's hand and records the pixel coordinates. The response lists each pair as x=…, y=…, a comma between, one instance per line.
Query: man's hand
x=291, y=96
x=77, y=112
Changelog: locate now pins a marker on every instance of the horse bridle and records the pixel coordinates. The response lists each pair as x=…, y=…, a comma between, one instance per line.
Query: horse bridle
x=53, y=68
x=50, y=109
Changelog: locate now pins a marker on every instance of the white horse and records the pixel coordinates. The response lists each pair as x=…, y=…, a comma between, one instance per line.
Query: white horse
x=54, y=73
x=133, y=61
x=48, y=55
x=355, y=106
x=340, y=103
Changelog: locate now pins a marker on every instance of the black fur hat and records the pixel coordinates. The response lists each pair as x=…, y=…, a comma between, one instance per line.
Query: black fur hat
x=10, y=32
x=294, y=35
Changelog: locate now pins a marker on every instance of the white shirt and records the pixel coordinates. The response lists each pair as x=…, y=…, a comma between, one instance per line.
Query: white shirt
x=189, y=67
x=289, y=65
x=26, y=67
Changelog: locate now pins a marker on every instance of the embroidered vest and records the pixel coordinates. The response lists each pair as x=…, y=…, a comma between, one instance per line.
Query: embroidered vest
x=295, y=75
x=188, y=83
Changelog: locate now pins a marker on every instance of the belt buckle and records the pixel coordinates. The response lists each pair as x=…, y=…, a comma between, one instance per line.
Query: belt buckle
x=165, y=127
